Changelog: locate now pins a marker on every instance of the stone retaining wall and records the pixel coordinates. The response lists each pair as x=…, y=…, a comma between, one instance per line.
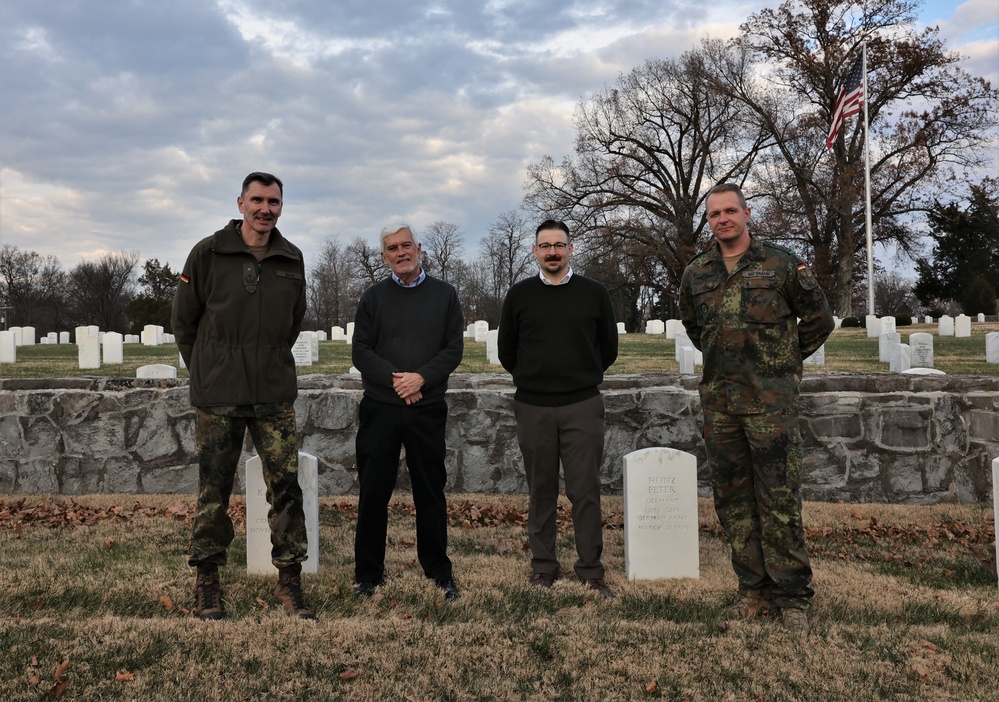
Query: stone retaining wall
x=868, y=438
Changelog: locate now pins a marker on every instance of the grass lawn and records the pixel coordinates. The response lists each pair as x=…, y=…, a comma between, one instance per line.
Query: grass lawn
x=847, y=350
x=96, y=591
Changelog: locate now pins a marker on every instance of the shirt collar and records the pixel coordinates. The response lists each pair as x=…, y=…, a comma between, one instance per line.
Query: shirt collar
x=563, y=281
x=416, y=281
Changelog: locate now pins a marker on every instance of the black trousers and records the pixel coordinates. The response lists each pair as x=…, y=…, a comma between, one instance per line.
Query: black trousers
x=383, y=429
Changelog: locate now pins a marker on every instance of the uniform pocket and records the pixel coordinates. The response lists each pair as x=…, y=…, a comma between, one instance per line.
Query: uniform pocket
x=762, y=301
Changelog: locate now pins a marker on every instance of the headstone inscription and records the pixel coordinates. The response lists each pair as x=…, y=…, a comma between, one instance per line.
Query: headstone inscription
x=885, y=343
x=818, y=357
x=660, y=514
x=921, y=350
x=481, y=329
x=156, y=370
x=302, y=350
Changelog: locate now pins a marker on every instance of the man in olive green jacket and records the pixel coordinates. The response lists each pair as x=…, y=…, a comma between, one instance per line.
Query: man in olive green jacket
x=756, y=312
x=236, y=315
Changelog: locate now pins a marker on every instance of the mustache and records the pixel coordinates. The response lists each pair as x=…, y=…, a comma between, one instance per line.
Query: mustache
x=553, y=257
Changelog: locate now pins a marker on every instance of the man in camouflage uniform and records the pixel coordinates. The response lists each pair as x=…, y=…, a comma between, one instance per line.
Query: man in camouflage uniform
x=236, y=315
x=756, y=311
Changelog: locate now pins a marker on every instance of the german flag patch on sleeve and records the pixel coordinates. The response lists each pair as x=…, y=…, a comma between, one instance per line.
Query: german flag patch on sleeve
x=184, y=278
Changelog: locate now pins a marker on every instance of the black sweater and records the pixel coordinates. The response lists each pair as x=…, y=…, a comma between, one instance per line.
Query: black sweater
x=408, y=330
x=557, y=340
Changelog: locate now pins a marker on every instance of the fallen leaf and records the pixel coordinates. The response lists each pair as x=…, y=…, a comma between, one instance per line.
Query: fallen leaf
x=34, y=679
x=929, y=646
x=349, y=674
x=263, y=604
x=920, y=669
x=34, y=661
x=336, y=591
x=109, y=543
x=413, y=698
x=123, y=677
x=166, y=602
x=61, y=669
x=17, y=529
x=59, y=688
x=652, y=686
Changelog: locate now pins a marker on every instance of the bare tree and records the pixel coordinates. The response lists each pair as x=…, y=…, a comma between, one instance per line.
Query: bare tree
x=443, y=244
x=647, y=151
x=366, y=261
x=333, y=286
x=505, y=258
x=31, y=287
x=99, y=291
x=929, y=119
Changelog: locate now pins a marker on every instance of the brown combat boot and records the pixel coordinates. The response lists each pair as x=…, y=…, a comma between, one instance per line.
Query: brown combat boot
x=208, y=593
x=795, y=622
x=749, y=605
x=289, y=592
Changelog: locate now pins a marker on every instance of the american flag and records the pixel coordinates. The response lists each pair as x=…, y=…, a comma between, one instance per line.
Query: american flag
x=850, y=100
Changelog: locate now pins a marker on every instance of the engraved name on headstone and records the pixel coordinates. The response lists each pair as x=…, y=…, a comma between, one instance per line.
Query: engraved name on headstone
x=258, y=531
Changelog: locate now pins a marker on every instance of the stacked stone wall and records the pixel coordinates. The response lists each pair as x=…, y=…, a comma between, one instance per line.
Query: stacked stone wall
x=868, y=438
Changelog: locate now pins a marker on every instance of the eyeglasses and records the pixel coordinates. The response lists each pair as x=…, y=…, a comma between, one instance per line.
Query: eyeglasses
x=559, y=247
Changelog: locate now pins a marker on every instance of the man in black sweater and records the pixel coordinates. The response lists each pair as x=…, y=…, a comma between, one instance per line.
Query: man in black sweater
x=407, y=341
x=557, y=336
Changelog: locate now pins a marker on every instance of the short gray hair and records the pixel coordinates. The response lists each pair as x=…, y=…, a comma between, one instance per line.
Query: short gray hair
x=395, y=229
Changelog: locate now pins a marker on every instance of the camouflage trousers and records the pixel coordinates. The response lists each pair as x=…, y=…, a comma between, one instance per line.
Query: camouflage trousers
x=755, y=466
x=219, y=443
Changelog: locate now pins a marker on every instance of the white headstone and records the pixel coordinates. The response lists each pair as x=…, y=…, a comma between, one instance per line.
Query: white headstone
x=64, y=337
x=837, y=322
x=873, y=326
x=901, y=359
x=914, y=320
x=981, y=317
x=8, y=347
x=492, y=346
x=349, y=333
x=314, y=339
x=655, y=326
x=887, y=324
x=18, y=333
x=151, y=335
x=27, y=336
x=687, y=360
x=79, y=333
x=470, y=331
x=885, y=343
x=52, y=338
x=336, y=334
x=113, y=348
x=621, y=329
x=680, y=340
x=962, y=326
x=660, y=514
x=481, y=329
x=995, y=499
x=673, y=326
x=180, y=361
x=258, y=531
x=302, y=350
x=156, y=370
x=322, y=335
x=992, y=347
x=945, y=327
x=921, y=350
x=924, y=371
x=89, y=350
x=927, y=319
x=818, y=358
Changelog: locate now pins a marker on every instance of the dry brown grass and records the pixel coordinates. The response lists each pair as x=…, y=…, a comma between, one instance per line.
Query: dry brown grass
x=109, y=597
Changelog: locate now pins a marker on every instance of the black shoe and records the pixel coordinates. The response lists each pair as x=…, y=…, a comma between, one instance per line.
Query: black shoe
x=599, y=586
x=365, y=589
x=543, y=580
x=450, y=590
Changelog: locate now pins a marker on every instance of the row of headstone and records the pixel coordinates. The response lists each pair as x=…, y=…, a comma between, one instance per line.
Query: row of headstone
x=341, y=334
x=671, y=327
x=661, y=525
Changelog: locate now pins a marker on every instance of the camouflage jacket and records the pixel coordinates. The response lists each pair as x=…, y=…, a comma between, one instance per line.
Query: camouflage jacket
x=754, y=326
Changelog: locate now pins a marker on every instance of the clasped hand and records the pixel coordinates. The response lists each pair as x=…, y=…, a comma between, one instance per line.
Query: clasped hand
x=408, y=386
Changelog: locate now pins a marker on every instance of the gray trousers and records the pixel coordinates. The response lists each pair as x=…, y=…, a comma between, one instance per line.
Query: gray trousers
x=573, y=434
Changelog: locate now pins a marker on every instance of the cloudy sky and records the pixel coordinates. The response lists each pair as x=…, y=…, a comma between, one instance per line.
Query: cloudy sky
x=128, y=126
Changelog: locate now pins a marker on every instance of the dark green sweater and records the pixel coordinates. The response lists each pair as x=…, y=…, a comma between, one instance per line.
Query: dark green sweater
x=407, y=330
x=557, y=340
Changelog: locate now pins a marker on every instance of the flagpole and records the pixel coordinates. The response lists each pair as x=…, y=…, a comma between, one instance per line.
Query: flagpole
x=867, y=192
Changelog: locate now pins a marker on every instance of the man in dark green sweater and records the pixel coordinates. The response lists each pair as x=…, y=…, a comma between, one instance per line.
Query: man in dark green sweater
x=407, y=341
x=557, y=336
